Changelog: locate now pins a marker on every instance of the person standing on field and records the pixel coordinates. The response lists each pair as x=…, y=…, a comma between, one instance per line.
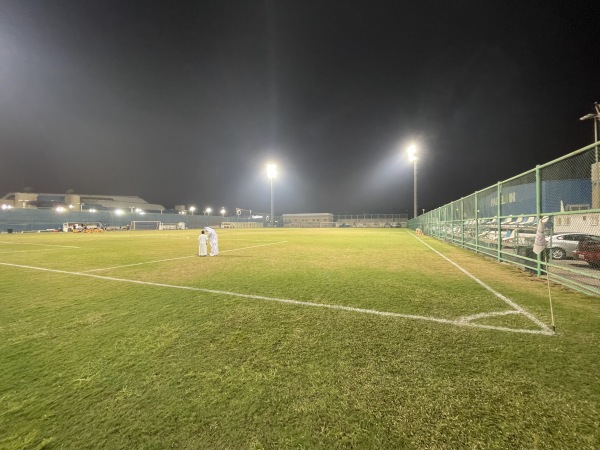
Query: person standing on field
x=202, y=240
x=213, y=240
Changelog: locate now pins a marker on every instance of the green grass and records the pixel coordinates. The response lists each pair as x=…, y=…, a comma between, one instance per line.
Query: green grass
x=89, y=362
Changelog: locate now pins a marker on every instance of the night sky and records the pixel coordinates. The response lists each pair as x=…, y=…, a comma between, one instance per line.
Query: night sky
x=185, y=102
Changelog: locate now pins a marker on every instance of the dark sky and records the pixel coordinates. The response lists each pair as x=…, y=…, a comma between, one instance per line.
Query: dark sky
x=185, y=102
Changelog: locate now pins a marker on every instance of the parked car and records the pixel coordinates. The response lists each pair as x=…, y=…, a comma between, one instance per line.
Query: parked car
x=565, y=245
x=589, y=250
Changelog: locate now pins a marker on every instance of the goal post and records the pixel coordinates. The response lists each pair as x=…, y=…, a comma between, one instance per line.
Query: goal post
x=145, y=225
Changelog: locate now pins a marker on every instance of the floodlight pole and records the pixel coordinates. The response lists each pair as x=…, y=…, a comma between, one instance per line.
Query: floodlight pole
x=596, y=119
x=412, y=155
x=415, y=189
x=272, y=173
x=595, y=167
x=272, y=204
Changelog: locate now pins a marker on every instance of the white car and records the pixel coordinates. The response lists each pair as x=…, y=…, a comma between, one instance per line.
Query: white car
x=564, y=245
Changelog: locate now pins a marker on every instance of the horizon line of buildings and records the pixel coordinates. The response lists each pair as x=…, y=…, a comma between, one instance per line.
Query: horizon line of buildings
x=78, y=202
x=98, y=202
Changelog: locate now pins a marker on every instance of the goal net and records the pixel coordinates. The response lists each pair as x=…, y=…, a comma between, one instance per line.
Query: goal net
x=145, y=225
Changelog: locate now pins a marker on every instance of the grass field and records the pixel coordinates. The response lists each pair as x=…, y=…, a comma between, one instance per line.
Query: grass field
x=317, y=338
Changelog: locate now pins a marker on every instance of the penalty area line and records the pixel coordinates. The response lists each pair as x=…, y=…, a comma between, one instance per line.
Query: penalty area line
x=253, y=246
x=39, y=245
x=29, y=251
x=175, y=259
x=458, y=323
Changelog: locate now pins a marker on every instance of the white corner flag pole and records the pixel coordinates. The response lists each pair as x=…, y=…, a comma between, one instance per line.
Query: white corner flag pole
x=550, y=297
x=538, y=247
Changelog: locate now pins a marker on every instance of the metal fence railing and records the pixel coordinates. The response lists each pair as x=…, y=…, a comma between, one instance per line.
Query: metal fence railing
x=501, y=220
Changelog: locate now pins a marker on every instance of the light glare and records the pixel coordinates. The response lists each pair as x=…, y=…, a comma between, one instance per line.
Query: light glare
x=271, y=171
x=412, y=152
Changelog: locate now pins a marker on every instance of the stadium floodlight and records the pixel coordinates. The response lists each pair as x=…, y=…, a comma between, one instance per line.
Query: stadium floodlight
x=192, y=209
x=207, y=211
x=60, y=209
x=223, y=211
x=596, y=119
x=272, y=173
x=412, y=156
x=119, y=212
x=70, y=206
x=93, y=210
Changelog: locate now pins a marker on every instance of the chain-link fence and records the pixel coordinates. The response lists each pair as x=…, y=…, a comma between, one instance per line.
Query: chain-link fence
x=33, y=219
x=372, y=220
x=501, y=221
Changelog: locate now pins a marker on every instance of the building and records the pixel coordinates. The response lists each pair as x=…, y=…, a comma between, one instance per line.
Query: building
x=310, y=220
x=78, y=202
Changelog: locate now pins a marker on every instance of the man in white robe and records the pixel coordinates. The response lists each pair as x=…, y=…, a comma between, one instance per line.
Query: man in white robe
x=202, y=240
x=213, y=240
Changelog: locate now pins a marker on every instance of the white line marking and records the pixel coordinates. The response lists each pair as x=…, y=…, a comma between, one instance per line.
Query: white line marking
x=28, y=251
x=253, y=246
x=138, y=264
x=131, y=236
x=509, y=302
x=174, y=259
x=490, y=314
x=42, y=245
x=289, y=301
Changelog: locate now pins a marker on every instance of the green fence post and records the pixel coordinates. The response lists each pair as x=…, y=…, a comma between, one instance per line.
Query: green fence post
x=498, y=228
x=476, y=224
x=462, y=213
x=538, y=210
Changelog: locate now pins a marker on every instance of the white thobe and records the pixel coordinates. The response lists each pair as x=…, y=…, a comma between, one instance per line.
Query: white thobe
x=213, y=240
x=202, y=240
